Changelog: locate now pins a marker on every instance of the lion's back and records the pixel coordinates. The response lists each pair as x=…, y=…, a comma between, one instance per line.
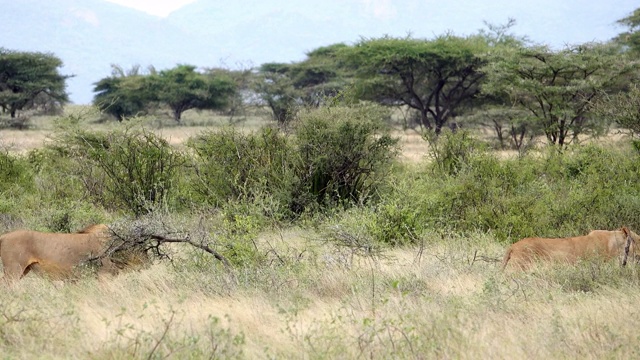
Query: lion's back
x=60, y=248
x=596, y=243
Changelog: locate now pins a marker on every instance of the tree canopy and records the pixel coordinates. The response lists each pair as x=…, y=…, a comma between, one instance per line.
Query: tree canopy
x=28, y=76
x=284, y=87
x=180, y=88
x=631, y=37
x=556, y=88
x=434, y=77
x=124, y=94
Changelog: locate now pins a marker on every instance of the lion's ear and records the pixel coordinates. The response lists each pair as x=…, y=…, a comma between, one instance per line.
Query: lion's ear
x=625, y=230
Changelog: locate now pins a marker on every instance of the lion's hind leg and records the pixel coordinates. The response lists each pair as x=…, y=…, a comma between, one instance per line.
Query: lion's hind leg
x=15, y=270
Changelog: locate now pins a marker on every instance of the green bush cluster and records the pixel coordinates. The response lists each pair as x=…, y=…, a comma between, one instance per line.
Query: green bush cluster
x=335, y=158
x=15, y=174
x=540, y=194
x=231, y=166
x=16, y=179
x=345, y=154
x=131, y=169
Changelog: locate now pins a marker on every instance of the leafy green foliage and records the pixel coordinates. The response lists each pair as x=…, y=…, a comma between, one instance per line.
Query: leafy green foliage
x=287, y=87
x=339, y=156
x=345, y=152
x=556, y=89
x=434, y=77
x=452, y=150
x=123, y=97
x=255, y=168
x=631, y=37
x=622, y=108
x=275, y=88
x=559, y=194
x=15, y=173
x=16, y=179
x=321, y=75
x=238, y=233
x=182, y=88
x=235, y=104
x=396, y=222
x=28, y=79
x=130, y=168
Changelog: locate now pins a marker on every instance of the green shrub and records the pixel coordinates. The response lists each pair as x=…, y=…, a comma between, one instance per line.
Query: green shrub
x=15, y=174
x=552, y=194
x=131, y=168
x=16, y=185
x=345, y=152
x=234, y=166
x=397, y=218
x=237, y=235
x=451, y=151
x=396, y=224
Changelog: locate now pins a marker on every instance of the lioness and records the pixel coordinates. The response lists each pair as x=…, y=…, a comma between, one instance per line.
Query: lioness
x=54, y=254
x=598, y=243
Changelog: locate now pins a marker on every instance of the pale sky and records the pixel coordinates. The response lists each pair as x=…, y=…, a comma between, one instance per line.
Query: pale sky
x=154, y=7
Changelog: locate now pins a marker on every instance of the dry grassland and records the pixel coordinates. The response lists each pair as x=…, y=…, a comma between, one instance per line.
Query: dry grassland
x=446, y=299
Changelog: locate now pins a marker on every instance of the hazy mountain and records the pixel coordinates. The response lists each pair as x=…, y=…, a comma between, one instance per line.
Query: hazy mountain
x=89, y=35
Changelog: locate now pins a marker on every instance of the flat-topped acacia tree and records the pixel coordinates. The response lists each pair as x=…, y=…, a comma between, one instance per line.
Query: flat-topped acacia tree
x=25, y=76
x=183, y=88
x=434, y=77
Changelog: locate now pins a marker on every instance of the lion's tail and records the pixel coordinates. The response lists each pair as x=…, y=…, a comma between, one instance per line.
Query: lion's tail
x=506, y=258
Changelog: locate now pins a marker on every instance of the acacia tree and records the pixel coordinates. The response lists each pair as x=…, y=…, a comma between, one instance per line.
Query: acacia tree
x=623, y=108
x=434, y=77
x=275, y=88
x=182, y=88
x=556, y=89
x=322, y=75
x=242, y=79
x=286, y=87
x=631, y=37
x=29, y=76
x=125, y=93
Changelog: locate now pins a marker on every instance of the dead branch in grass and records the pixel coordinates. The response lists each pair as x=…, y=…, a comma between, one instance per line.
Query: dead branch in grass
x=139, y=241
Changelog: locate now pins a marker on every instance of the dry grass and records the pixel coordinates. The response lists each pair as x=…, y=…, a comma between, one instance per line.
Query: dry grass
x=447, y=303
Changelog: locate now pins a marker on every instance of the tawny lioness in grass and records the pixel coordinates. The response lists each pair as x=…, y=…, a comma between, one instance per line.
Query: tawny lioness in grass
x=597, y=244
x=53, y=254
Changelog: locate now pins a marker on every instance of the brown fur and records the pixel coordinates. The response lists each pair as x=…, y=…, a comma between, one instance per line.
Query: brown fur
x=598, y=243
x=54, y=254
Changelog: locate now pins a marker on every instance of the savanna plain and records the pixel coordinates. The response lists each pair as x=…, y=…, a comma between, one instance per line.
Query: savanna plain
x=414, y=273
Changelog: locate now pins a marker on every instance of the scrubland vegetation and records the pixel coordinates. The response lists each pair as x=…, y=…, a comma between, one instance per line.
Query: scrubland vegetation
x=338, y=247
x=303, y=225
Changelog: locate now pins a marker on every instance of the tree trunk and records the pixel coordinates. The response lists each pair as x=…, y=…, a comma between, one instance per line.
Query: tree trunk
x=424, y=118
x=177, y=115
x=498, y=129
